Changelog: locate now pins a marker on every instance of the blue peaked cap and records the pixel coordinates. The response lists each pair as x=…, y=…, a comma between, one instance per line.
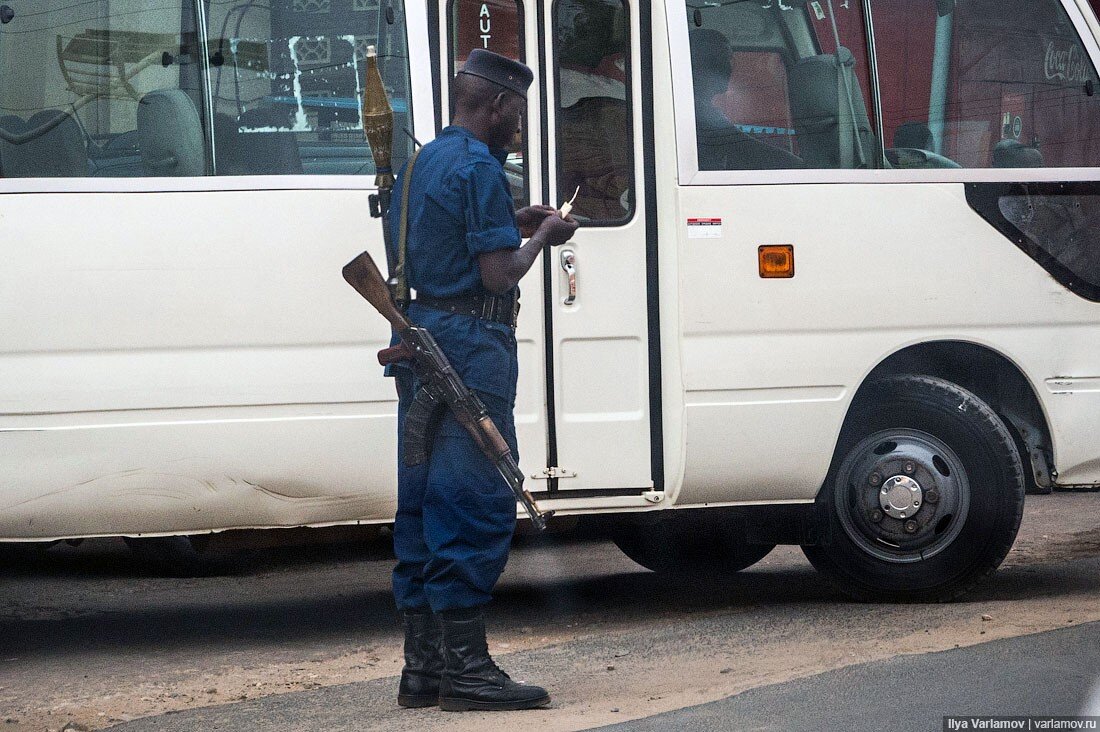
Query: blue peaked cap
x=501, y=70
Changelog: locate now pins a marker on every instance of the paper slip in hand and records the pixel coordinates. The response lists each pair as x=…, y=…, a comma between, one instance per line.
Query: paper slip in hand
x=568, y=205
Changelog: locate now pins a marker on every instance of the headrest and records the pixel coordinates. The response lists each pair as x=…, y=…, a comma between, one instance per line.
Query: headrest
x=170, y=134
x=1015, y=154
x=913, y=135
x=813, y=84
x=710, y=49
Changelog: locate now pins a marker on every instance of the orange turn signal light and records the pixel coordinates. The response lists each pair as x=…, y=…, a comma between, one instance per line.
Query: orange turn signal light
x=777, y=261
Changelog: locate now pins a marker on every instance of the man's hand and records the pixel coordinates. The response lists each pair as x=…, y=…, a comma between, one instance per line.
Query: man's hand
x=555, y=231
x=502, y=270
x=528, y=219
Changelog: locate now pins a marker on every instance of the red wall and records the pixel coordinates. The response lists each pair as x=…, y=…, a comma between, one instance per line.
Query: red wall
x=905, y=41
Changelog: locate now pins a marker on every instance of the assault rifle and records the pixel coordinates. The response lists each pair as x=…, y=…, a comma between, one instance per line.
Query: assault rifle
x=442, y=386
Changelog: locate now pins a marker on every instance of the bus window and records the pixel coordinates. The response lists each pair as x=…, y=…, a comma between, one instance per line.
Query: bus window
x=286, y=78
x=496, y=25
x=774, y=91
x=101, y=89
x=594, y=125
x=1061, y=229
x=989, y=83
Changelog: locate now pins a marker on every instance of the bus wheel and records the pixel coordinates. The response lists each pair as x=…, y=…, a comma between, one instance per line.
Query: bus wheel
x=671, y=549
x=925, y=495
x=16, y=552
x=183, y=556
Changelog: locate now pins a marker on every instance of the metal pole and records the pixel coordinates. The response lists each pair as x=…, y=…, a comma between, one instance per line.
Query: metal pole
x=204, y=54
x=876, y=93
x=941, y=74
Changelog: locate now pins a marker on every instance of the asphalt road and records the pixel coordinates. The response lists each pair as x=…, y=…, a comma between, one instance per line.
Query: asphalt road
x=307, y=639
x=1046, y=674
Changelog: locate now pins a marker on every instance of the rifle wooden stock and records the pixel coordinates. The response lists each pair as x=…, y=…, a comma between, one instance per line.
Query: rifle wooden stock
x=442, y=386
x=362, y=274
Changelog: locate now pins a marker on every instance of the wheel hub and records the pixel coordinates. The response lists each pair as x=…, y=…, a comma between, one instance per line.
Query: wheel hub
x=904, y=495
x=900, y=497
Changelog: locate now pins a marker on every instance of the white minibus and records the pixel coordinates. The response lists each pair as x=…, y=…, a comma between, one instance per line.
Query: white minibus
x=837, y=282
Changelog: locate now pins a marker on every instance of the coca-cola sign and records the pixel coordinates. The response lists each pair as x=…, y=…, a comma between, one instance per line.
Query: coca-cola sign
x=1068, y=64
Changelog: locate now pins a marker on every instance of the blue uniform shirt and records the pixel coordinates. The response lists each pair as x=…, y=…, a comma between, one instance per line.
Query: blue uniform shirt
x=460, y=206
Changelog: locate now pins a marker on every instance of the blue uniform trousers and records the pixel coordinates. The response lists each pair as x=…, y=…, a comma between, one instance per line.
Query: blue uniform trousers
x=455, y=514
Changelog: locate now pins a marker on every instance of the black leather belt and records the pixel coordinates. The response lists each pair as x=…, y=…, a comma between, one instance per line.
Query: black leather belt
x=495, y=308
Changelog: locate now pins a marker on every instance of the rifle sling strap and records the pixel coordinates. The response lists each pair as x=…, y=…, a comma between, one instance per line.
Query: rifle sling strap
x=402, y=283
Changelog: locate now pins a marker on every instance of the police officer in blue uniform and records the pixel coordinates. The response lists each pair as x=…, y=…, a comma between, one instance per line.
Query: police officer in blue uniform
x=455, y=514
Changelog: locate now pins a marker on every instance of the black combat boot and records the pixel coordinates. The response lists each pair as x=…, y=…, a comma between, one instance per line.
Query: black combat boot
x=471, y=681
x=423, y=660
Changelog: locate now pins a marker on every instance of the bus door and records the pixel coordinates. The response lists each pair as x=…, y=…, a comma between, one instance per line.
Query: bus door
x=583, y=143
x=591, y=75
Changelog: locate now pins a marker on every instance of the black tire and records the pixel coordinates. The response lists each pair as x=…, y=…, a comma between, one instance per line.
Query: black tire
x=184, y=556
x=24, y=552
x=966, y=506
x=680, y=549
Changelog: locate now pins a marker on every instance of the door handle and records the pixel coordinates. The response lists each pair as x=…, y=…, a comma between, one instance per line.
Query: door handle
x=569, y=265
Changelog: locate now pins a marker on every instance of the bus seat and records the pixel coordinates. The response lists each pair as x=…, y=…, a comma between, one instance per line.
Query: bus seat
x=273, y=152
x=57, y=153
x=11, y=155
x=733, y=149
x=226, y=147
x=61, y=152
x=1014, y=154
x=170, y=134
x=823, y=120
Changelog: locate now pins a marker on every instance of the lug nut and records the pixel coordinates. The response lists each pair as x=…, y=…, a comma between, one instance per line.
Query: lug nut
x=911, y=527
x=932, y=496
x=875, y=479
x=877, y=516
x=909, y=468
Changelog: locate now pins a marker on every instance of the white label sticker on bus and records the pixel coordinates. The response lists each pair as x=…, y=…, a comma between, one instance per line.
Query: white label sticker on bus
x=704, y=228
